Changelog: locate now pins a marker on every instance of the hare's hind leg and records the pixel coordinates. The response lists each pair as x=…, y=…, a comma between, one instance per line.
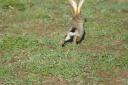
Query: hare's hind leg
x=76, y=39
x=67, y=38
x=63, y=41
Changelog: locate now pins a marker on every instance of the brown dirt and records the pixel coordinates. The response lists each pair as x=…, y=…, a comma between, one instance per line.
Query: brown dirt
x=37, y=28
x=124, y=75
x=117, y=81
x=1, y=82
x=51, y=80
x=42, y=29
x=107, y=79
x=104, y=74
x=117, y=47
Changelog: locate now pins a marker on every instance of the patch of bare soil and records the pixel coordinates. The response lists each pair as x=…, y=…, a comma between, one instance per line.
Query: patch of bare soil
x=2, y=82
x=118, y=48
x=117, y=81
x=125, y=11
x=104, y=74
x=41, y=29
x=108, y=79
x=51, y=80
x=37, y=28
x=124, y=74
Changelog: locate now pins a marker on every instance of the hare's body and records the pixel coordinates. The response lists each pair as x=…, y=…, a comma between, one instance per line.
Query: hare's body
x=76, y=30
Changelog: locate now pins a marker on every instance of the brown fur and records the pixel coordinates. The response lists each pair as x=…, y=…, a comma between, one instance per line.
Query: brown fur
x=76, y=30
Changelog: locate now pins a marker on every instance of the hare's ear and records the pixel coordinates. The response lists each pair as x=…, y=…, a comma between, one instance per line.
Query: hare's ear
x=74, y=6
x=79, y=6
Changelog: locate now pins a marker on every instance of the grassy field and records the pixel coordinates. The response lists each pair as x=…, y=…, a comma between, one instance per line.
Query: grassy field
x=30, y=54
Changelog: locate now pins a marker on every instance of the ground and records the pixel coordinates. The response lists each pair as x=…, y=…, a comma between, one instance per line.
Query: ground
x=30, y=53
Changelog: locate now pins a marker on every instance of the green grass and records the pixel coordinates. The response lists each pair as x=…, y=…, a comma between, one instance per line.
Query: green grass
x=30, y=54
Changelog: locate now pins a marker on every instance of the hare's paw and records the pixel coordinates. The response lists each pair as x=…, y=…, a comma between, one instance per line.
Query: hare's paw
x=62, y=43
x=76, y=39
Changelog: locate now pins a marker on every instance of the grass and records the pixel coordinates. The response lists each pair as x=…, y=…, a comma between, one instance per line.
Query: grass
x=30, y=54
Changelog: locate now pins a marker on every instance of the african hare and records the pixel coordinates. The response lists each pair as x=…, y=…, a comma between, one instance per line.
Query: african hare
x=76, y=32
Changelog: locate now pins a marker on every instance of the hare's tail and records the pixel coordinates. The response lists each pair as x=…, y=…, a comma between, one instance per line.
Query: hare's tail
x=69, y=36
